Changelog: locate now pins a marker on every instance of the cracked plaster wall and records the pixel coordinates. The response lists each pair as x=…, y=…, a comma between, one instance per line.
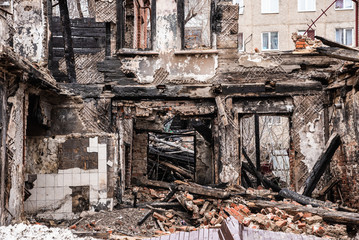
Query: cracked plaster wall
x=199, y=67
x=30, y=29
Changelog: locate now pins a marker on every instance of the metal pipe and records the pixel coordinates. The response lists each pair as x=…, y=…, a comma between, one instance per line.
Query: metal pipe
x=356, y=22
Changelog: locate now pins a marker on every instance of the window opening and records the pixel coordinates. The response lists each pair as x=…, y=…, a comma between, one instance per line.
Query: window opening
x=270, y=6
x=344, y=36
x=171, y=153
x=270, y=41
x=197, y=32
x=274, y=142
x=344, y=4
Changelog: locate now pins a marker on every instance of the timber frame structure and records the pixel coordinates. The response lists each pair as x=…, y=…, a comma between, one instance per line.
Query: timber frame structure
x=77, y=127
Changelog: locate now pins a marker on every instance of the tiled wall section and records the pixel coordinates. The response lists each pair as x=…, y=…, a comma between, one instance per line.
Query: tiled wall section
x=51, y=194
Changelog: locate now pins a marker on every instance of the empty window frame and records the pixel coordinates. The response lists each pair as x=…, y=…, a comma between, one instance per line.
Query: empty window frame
x=136, y=24
x=344, y=36
x=344, y=4
x=240, y=5
x=196, y=22
x=310, y=33
x=270, y=6
x=306, y=5
x=270, y=41
x=240, y=42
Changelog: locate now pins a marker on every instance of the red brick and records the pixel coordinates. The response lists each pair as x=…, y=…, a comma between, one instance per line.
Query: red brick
x=302, y=225
x=159, y=217
x=281, y=223
x=298, y=216
x=199, y=201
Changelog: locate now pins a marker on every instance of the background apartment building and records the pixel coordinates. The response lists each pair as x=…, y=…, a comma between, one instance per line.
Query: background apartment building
x=268, y=24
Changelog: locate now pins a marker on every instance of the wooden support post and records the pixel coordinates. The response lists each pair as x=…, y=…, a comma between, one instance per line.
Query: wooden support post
x=180, y=20
x=68, y=47
x=49, y=42
x=3, y=152
x=322, y=163
x=257, y=142
x=153, y=23
x=121, y=18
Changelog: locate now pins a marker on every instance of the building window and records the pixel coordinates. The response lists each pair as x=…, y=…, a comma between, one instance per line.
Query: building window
x=310, y=33
x=240, y=4
x=344, y=4
x=306, y=5
x=197, y=16
x=240, y=42
x=270, y=6
x=4, y=3
x=344, y=36
x=137, y=24
x=270, y=41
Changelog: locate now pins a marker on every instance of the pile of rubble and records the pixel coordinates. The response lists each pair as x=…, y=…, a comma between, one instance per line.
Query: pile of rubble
x=212, y=212
x=187, y=207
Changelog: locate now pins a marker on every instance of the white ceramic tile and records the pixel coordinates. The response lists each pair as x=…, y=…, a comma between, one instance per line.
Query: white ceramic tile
x=68, y=206
x=40, y=194
x=94, y=179
x=50, y=193
x=33, y=194
x=59, y=180
x=67, y=191
x=40, y=204
x=102, y=166
x=102, y=152
x=68, y=179
x=50, y=180
x=31, y=206
x=40, y=181
x=59, y=193
x=76, y=179
x=102, y=180
x=85, y=179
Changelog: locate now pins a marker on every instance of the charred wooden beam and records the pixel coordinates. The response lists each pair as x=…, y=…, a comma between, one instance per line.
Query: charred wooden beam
x=322, y=163
x=252, y=169
x=304, y=200
x=204, y=191
x=181, y=20
x=171, y=144
x=3, y=89
x=68, y=46
x=258, y=144
x=153, y=23
x=121, y=16
x=181, y=171
x=335, y=44
x=343, y=54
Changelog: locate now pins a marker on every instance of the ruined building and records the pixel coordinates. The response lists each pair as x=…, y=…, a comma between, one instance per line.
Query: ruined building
x=90, y=88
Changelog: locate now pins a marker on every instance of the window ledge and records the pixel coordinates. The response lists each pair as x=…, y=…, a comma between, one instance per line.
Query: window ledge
x=194, y=52
x=305, y=11
x=132, y=52
x=343, y=9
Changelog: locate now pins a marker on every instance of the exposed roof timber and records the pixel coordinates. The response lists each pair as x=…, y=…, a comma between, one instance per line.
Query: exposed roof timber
x=285, y=88
x=335, y=44
x=339, y=53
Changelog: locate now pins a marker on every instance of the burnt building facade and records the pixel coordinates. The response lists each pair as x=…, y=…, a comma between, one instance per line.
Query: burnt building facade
x=108, y=83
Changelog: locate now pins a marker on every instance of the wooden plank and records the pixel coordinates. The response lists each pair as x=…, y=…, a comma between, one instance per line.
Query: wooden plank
x=67, y=41
x=83, y=32
x=120, y=39
x=321, y=164
x=82, y=42
x=3, y=119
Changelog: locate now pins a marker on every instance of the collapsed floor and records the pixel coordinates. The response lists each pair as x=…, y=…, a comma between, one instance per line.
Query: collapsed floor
x=149, y=212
